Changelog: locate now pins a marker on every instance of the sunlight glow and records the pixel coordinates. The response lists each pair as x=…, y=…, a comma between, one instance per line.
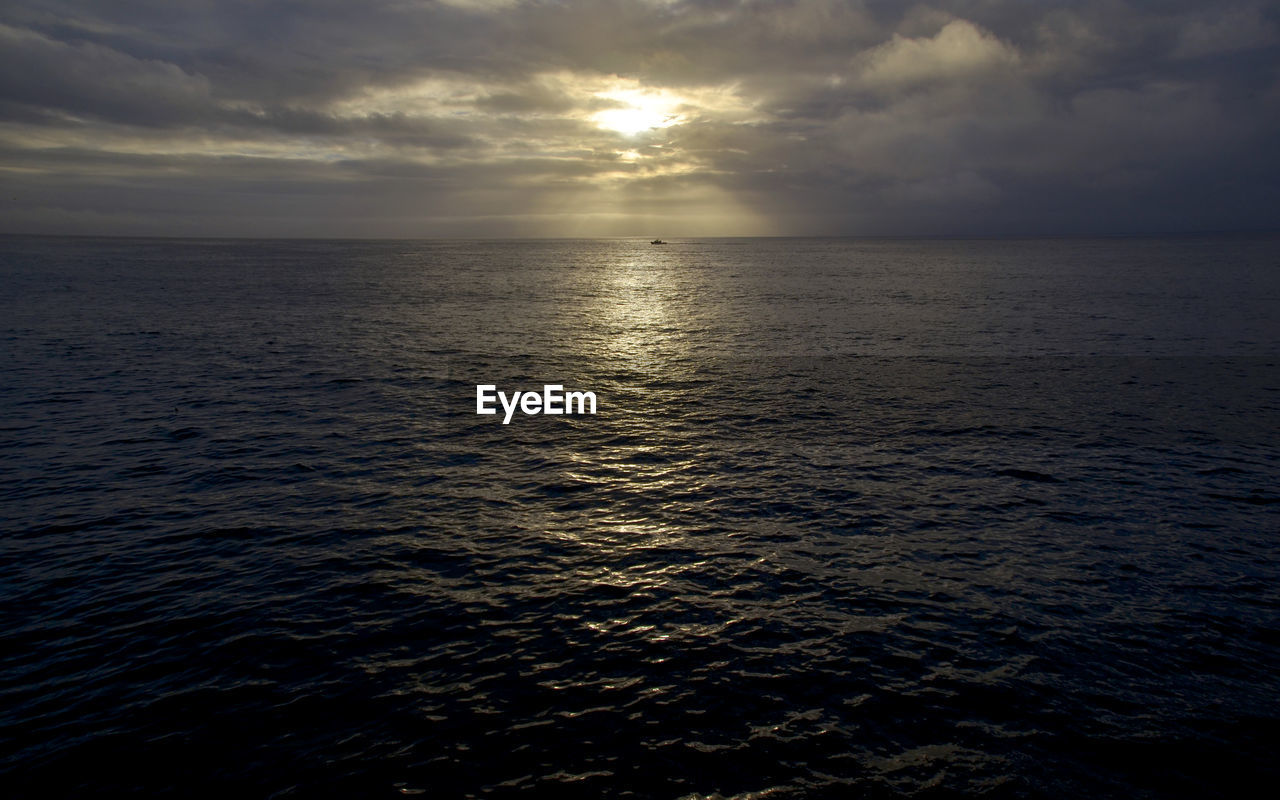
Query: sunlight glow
x=638, y=110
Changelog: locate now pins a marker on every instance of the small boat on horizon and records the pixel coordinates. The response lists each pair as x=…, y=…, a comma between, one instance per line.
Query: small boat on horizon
x=657, y=241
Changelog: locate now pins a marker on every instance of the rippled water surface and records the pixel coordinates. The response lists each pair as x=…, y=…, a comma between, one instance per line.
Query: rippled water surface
x=854, y=519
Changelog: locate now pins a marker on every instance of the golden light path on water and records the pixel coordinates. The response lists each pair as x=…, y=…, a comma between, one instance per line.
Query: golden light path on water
x=639, y=301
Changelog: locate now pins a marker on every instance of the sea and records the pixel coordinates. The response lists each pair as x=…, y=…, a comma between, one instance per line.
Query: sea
x=854, y=518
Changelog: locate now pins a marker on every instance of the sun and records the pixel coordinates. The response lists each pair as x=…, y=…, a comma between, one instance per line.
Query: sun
x=636, y=111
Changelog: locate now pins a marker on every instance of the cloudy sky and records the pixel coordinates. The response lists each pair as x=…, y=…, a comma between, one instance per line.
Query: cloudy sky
x=420, y=118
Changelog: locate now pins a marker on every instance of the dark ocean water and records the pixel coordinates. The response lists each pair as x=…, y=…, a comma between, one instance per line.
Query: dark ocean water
x=854, y=519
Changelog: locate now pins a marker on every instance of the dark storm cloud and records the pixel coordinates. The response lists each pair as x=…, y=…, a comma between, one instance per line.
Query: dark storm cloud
x=392, y=117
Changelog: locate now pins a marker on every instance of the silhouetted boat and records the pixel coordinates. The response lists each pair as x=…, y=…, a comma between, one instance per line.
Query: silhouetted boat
x=657, y=241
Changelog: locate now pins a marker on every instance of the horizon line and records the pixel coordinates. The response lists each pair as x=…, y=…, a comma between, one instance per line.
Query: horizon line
x=862, y=236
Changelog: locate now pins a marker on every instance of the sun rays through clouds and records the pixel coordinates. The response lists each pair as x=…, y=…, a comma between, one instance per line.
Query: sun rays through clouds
x=502, y=117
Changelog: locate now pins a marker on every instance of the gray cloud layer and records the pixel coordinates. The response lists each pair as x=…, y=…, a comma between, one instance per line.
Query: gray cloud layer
x=605, y=117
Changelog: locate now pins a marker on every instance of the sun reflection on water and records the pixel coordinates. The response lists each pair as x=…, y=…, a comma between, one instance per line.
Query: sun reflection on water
x=638, y=300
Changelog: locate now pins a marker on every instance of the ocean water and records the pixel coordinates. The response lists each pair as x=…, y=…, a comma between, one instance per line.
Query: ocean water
x=854, y=518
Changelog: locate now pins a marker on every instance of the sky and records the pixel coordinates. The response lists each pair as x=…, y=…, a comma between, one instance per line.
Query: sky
x=504, y=118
